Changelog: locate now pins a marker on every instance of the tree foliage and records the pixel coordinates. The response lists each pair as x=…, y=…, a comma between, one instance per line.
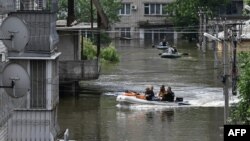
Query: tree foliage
x=246, y=12
x=241, y=111
x=108, y=54
x=184, y=13
x=246, y=1
x=83, y=10
x=89, y=50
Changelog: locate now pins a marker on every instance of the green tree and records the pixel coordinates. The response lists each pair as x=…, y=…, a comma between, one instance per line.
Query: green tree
x=246, y=12
x=83, y=10
x=246, y=1
x=241, y=112
x=108, y=54
x=62, y=9
x=184, y=13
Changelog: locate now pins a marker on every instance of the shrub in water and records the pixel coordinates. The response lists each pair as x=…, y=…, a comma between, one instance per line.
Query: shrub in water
x=89, y=50
x=110, y=54
x=107, y=54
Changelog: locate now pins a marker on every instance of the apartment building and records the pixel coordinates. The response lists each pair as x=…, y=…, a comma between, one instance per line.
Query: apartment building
x=147, y=19
x=142, y=19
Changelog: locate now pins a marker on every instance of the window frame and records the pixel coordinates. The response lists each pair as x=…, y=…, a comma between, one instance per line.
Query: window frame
x=124, y=31
x=152, y=9
x=125, y=10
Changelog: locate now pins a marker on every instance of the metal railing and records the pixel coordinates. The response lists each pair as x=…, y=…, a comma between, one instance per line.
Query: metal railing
x=7, y=106
x=7, y=6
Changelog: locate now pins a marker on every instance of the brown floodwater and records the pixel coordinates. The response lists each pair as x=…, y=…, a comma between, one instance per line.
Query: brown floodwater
x=96, y=116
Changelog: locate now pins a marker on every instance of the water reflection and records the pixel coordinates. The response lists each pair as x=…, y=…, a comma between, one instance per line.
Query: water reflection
x=92, y=118
x=167, y=115
x=80, y=116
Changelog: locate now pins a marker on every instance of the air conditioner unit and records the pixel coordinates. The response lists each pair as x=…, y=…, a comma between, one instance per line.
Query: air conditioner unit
x=134, y=7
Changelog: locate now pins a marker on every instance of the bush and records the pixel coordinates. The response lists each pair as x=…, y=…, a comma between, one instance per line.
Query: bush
x=107, y=54
x=110, y=54
x=89, y=50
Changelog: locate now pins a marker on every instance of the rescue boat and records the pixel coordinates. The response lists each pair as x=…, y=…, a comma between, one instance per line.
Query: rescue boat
x=128, y=98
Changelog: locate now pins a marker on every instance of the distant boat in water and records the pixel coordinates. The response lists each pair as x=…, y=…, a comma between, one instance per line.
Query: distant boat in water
x=162, y=46
x=171, y=53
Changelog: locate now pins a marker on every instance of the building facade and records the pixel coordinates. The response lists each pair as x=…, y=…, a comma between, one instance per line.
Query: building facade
x=73, y=67
x=140, y=19
x=29, y=75
x=147, y=19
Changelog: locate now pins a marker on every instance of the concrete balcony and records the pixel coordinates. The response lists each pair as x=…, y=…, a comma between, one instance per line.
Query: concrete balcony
x=77, y=70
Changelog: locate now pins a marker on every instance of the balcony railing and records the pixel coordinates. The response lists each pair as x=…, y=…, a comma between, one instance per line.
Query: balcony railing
x=7, y=105
x=7, y=6
x=161, y=22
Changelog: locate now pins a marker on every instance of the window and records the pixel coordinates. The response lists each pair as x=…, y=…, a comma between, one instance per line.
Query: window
x=154, y=9
x=125, y=10
x=38, y=85
x=146, y=9
x=124, y=31
x=41, y=4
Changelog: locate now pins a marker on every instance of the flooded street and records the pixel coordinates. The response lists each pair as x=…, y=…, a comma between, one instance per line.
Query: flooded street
x=96, y=116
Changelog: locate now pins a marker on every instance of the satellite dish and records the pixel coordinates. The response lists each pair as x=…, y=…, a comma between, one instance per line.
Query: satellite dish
x=16, y=32
x=15, y=73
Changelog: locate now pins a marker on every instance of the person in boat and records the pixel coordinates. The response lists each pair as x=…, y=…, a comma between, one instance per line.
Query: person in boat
x=168, y=96
x=131, y=93
x=174, y=50
x=171, y=50
x=149, y=93
x=162, y=92
x=164, y=42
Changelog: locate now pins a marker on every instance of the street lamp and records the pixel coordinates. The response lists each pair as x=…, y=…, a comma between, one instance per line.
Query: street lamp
x=211, y=37
x=247, y=7
x=225, y=75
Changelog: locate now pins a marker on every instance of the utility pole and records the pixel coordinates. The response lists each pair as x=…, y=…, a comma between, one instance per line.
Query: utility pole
x=98, y=35
x=204, y=30
x=234, y=68
x=234, y=62
x=216, y=43
x=71, y=13
x=225, y=73
x=200, y=27
x=91, y=20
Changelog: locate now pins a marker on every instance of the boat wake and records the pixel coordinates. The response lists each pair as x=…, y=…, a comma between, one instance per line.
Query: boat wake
x=207, y=97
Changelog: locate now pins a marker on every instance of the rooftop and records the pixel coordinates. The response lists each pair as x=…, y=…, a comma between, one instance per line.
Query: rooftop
x=62, y=25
